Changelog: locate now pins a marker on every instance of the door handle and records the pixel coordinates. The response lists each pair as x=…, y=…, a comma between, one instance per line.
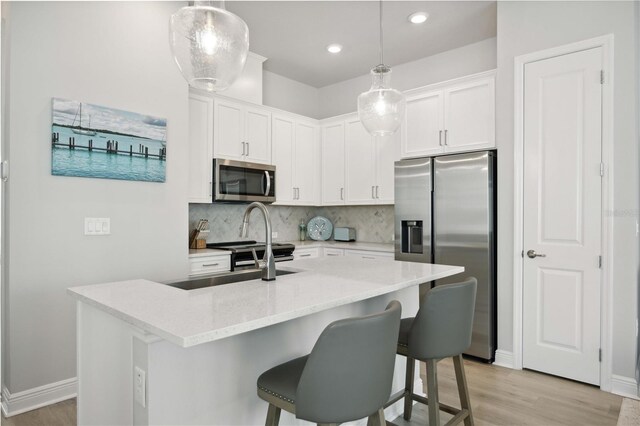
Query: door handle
x=532, y=254
x=440, y=138
x=247, y=148
x=445, y=137
x=243, y=149
x=373, y=193
x=342, y=193
x=268, y=177
x=377, y=196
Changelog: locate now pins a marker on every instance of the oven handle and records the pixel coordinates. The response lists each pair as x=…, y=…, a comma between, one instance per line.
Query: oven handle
x=251, y=262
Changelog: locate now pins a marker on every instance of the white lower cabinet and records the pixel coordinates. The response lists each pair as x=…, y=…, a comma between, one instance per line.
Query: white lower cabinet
x=209, y=264
x=333, y=251
x=368, y=254
x=306, y=253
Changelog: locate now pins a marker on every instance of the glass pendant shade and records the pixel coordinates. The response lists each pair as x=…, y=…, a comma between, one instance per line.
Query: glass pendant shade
x=381, y=109
x=210, y=46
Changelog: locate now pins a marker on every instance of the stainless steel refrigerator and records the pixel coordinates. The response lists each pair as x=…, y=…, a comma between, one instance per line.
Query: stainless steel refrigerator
x=445, y=212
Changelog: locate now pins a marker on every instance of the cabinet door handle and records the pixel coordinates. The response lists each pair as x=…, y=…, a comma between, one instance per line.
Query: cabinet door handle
x=373, y=191
x=243, y=149
x=210, y=189
x=342, y=193
x=211, y=264
x=445, y=137
x=377, y=196
x=247, y=148
x=440, y=138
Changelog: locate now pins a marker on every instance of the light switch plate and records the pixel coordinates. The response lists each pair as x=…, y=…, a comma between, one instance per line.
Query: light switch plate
x=97, y=226
x=140, y=386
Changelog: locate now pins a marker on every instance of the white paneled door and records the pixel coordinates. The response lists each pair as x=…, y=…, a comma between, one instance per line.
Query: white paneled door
x=562, y=215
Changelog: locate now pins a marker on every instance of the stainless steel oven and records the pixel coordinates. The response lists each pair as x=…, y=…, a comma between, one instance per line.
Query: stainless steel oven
x=239, y=181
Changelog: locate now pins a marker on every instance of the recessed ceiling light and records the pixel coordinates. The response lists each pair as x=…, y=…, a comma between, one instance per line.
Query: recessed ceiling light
x=418, y=17
x=334, y=48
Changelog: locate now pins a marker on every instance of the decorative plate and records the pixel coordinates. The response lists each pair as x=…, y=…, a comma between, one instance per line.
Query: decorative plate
x=319, y=228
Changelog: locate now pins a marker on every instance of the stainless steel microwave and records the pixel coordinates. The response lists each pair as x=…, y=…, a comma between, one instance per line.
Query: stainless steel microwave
x=239, y=181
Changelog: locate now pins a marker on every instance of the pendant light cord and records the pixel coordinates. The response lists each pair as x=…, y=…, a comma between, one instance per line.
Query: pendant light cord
x=381, y=49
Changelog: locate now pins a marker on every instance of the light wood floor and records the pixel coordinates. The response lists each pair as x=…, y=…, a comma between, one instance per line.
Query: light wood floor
x=499, y=396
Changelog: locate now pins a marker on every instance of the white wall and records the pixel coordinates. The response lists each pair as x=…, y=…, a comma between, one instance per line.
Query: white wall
x=341, y=98
x=114, y=54
x=289, y=95
x=525, y=27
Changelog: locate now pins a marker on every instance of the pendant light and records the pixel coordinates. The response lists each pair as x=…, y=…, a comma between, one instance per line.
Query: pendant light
x=381, y=109
x=209, y=45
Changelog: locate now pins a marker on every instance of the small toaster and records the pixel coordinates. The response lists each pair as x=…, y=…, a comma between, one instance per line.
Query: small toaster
x=344, y=234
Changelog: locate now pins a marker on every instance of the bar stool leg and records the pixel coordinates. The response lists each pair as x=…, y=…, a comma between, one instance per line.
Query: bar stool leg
x=408, y=388
x=463, y=390
x=273, y=416
x=377, y=419
x=432, y=392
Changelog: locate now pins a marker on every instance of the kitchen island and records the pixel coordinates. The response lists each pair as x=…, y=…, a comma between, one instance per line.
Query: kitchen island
x=149, y=353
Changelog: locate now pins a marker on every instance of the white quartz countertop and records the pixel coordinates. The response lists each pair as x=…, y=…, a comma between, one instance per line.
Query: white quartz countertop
x=354, y=245
x=189, y=318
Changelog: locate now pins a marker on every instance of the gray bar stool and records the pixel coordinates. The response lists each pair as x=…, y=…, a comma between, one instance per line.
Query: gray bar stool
x=441, y=329
x=347, y=376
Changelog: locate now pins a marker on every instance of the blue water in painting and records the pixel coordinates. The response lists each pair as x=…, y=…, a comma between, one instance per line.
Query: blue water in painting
x=99, y=164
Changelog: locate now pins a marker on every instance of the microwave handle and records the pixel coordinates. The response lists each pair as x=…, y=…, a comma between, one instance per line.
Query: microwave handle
x=268, y=176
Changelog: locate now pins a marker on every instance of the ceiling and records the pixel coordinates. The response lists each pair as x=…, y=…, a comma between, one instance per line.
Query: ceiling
x=293, y=35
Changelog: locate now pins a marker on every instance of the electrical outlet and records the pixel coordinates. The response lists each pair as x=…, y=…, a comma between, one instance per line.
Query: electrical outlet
x=97, y=226
x=140, y=386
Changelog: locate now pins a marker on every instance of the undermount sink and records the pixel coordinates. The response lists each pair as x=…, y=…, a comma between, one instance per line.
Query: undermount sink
x=228, y=278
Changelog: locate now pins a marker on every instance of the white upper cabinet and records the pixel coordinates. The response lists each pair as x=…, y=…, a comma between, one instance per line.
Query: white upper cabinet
x=200, y=148
x=283, y=145
x=387, y=150
x=369, y=165
x=296, y=156
x=360, y=165
x=448, y=117
x=307, y=164
x=257, y=135
x=470, y=115
x=424, y=121
x=241, y=132
x=333, y=182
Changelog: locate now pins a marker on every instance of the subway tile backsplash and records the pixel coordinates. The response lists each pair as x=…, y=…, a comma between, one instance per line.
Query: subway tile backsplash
x=372, y=223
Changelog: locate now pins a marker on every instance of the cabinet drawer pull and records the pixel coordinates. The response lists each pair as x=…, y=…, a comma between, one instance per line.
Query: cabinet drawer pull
x=332, y=254
x=210, y=264
x=305, y=255
x=368, y=257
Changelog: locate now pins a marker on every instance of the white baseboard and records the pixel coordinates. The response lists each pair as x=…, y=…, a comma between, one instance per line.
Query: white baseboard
x=504, y=359
x=31, y=399
x=624, y=386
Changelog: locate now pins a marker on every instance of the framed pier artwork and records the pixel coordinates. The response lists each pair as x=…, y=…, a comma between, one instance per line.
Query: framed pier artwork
x=99, y=142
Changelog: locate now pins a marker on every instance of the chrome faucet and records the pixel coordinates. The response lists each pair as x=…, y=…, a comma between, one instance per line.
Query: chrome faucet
x=267, y=264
